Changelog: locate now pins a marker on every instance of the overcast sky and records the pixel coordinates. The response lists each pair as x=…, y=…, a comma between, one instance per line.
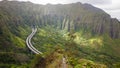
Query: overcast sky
x=110, y=6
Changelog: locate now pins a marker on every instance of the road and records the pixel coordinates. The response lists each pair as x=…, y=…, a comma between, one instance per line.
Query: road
x=34, y=50
x=29, y=44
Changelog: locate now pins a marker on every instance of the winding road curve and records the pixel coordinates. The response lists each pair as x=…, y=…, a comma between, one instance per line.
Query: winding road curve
x=34, y=50
x=29, y=44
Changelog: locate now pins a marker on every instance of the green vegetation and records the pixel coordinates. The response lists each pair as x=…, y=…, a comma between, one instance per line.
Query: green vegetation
x=18, y=42
x=89, y=47
x=13, y=60
x=83, y=63
x=86, y=36
x=48, y=38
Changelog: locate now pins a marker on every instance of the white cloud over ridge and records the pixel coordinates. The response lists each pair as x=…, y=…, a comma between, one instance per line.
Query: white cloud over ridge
x=110, y=6
x=69, y=1
x=113, y=9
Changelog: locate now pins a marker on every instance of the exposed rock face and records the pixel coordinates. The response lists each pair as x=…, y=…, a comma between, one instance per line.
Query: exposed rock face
x=73, y=16
x=83, y=16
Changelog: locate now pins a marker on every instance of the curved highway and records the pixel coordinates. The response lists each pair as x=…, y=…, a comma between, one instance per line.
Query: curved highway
x=29, y=44
x=34, y=50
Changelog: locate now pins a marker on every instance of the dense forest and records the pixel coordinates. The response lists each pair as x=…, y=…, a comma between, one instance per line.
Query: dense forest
x=87, y=36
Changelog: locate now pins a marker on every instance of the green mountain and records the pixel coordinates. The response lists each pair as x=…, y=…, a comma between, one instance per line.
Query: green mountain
x=87, y=36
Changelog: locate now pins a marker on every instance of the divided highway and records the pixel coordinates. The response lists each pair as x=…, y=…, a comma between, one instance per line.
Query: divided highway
x=29, y=44
x=34, y=50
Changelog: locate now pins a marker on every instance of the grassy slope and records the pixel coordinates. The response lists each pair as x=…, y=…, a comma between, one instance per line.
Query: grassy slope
x=13, y=53
x=100, y=49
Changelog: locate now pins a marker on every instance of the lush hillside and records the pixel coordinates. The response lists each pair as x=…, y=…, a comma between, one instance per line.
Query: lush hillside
x=100, y=48
x=69, y=16
x=87, y=36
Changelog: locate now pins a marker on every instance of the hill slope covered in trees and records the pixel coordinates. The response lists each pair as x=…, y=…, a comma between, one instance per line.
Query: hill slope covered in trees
x=81, y=32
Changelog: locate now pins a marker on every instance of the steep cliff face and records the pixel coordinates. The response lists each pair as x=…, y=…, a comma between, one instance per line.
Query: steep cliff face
x=83, y=16
x=73, y=16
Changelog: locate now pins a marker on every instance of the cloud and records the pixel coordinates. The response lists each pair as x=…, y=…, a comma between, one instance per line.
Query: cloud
x=96, y=1
x=70, y=1
x=113, y=9
x=115, y=13
x=110, y=6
